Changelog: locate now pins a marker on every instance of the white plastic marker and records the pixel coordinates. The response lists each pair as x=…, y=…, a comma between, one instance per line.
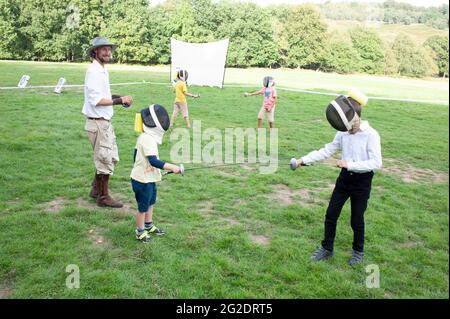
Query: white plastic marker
x=60, y=85
x=23, y=81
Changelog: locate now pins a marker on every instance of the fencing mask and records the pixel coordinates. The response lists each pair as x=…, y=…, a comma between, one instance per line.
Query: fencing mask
x=156, y=121
x=182, y=75
x=268, y=81
x=156, y=116
x=341, y=113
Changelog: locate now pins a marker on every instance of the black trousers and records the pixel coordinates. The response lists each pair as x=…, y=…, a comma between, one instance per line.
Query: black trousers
x=357, y=187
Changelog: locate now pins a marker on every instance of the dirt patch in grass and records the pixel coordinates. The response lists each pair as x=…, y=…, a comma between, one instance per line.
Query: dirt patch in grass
x=249, y=167
x=5, y=291
x=95, y=236
x=388, y=295
x=14, y=202
x=127, y=208
x=260, y=239
x=306, y=197
x=55, y=205
x=231, y=221
x=411, y=174
x=83, y=203
x=206, y=208
x=228, y=172
x=410, y=244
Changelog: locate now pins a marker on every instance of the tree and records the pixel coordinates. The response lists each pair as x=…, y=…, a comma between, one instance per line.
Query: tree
x=307, y=38
x=127, y=27
x=251, y=36
x=370, y=48
x=413, y=60
x=342, y=57
x=391, y=64
x=439, y=44
x=9, y=33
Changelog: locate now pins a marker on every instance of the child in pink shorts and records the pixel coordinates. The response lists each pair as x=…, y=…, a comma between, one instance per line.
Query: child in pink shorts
x=270, y=98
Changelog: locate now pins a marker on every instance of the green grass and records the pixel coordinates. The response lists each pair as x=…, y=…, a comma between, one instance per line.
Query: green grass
x=45, y=155
x=433, y=89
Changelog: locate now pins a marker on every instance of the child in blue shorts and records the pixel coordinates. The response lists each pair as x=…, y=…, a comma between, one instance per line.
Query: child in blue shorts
x=146, y=170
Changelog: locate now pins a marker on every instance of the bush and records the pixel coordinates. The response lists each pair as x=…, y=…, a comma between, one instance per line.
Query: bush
x=413, y=60
x=439, y=45
x=370, y=48
x=342, y=57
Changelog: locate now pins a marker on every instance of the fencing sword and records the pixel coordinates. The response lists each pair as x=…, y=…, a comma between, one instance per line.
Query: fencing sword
x=292, y=165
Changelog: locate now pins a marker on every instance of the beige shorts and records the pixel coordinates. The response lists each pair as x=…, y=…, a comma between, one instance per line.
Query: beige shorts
x=270, y=115
x=103, y=141
x=181, y=107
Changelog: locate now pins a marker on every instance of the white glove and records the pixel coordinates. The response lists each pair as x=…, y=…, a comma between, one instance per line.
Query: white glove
x=246, y=94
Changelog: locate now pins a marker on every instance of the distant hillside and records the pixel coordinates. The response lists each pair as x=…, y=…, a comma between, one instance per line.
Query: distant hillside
x=390, y=11
x=418, y=32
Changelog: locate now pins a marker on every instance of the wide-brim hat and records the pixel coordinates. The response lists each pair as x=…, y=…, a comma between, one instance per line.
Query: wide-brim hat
x=100, y=42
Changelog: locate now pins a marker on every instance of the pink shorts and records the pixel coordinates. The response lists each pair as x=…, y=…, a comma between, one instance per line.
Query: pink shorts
x=270, y=115
x=181, y=107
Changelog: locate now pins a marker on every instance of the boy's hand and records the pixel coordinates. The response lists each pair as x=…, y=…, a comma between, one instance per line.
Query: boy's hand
x=176, y=169
x=341, y=164
x=127, y=100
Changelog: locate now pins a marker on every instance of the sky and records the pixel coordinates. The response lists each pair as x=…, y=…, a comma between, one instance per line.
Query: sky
x=422, y=3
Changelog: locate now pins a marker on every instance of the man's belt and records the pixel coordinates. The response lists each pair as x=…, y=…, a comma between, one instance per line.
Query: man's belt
x=98, y=119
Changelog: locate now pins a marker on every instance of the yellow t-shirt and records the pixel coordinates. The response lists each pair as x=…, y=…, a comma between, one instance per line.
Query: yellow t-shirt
x=142, y=170
x=180, y=89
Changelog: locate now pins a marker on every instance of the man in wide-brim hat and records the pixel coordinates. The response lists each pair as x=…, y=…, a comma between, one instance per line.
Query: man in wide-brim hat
x=98, y=109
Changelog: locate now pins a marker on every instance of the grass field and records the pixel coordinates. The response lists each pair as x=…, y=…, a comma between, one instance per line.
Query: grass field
x=231, y=232
x=433, y=89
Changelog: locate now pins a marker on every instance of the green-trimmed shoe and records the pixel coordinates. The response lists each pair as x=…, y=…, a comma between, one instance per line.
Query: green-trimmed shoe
x=144, y=237
x=155, y=230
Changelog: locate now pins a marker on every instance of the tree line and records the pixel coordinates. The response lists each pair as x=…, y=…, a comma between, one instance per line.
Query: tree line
x=276, y=36
x=389, y=12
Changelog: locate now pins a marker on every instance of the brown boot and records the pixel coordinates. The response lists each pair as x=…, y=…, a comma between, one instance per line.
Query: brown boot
x=104, y=200
x=94, y=188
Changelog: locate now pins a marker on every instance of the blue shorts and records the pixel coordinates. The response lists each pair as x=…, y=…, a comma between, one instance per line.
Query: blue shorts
x=145, y=194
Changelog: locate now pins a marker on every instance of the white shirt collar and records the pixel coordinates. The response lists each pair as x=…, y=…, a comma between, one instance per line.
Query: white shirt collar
x=364, y=125
x=98, y=65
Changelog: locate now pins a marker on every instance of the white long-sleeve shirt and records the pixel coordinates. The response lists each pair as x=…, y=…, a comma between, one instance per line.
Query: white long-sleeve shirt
x=361, y=150
x=96, y=87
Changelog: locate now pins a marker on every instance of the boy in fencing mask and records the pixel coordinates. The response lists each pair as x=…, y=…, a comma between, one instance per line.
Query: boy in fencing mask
x=361, y=156
x=146, y=170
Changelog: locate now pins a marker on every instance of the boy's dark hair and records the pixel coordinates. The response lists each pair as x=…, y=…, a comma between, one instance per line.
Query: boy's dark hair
x=356, y=105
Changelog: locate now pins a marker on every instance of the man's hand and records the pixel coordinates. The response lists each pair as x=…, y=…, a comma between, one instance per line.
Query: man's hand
x=299, y=162
x=341, y=164
x=246, y=94
x=127, y=100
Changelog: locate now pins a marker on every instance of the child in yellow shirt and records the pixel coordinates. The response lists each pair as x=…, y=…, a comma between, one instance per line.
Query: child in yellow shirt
x=181, y=92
